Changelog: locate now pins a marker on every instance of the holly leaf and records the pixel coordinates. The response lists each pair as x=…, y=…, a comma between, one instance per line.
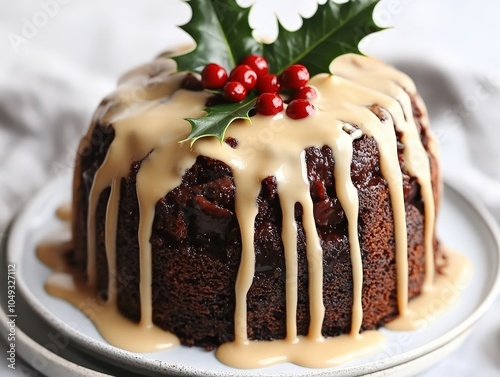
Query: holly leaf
x=222, y=35
x=335, y=29
x=218, y=118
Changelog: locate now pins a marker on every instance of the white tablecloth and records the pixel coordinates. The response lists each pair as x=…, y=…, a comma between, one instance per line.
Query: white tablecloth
x=59, y=58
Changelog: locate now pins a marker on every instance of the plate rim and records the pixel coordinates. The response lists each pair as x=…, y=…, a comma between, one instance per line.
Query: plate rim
x=26, y=346
x=123, y=357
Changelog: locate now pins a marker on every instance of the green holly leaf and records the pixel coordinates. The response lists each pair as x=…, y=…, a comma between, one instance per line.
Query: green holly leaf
x=222, y=35
x=218, y=118
x=335, y=29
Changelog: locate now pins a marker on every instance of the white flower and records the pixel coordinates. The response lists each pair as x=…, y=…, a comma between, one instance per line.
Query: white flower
x=265, y=14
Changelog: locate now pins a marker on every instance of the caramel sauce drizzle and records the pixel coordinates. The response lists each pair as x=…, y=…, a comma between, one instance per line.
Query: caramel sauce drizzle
x=148, y=128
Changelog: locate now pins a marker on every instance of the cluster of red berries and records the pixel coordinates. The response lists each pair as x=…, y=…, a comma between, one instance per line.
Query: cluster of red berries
x=253, y=72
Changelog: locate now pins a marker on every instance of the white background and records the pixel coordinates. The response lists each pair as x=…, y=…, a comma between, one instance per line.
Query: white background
x=71, y=57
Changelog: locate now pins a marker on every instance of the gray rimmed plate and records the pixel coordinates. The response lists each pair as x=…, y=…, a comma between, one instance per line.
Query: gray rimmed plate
x=463, y=225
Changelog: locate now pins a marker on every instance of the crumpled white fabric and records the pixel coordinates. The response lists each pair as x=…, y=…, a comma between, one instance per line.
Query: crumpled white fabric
x=463, y=107
x=43, y=111
x=49, y=89
x=53, y=75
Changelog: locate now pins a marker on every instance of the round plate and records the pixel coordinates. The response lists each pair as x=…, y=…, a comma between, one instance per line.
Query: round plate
x=40, y=358
x=463, y=225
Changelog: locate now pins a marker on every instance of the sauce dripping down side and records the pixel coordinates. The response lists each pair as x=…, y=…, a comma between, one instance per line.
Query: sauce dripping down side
x=148, y=127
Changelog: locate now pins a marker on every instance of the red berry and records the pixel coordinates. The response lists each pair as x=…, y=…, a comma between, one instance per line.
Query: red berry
x=307, y=92
x=234, y=91
x=295, y=77
x=268, y=84
x=213, y=76
x=300, y=108
x=257, y=63
x=269, y=104
x=245, y=75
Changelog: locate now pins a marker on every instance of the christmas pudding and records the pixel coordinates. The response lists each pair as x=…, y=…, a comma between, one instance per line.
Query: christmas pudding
x=260, y=197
